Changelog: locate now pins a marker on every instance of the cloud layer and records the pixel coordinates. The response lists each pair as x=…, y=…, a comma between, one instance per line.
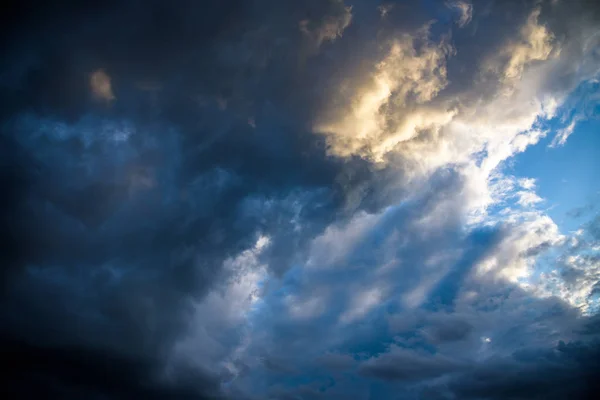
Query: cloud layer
x=293, y=200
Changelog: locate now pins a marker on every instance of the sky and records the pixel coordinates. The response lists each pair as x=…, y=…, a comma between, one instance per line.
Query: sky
x=300, y=200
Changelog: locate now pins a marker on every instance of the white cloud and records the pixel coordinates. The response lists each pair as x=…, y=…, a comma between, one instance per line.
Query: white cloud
x=575, y=275
x=527, y=234
x=224, y=308
x=361, y=304
x=563, y=134
x=311, y=307
x=527, y=183
x=330, y=248
x=528, y=198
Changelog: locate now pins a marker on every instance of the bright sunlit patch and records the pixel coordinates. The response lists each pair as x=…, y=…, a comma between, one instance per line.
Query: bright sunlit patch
x=377, y=116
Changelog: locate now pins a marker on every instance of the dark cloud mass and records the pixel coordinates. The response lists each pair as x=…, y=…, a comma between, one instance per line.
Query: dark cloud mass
x=290, y=200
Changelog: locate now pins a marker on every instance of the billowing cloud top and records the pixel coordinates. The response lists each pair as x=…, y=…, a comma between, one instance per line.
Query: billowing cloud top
x=294, y=200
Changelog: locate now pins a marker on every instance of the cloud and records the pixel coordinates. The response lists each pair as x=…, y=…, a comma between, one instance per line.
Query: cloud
x=579, y=212
x=331, y=27
x=535, y=44
x=337, y=362
x=576, y=273
x=224, y=310
x=579, y=110
x=561, y=137
x=317, y=203
x=448, y=329
x=465, y=10
x=568, y=371
x=72, y=372
x=402, y=75
x=100, y=84
x=385, y=9
x=527, y=198
x=407, y=365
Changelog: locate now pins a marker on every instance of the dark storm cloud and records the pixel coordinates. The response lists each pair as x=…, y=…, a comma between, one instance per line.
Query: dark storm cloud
x=565, y=370
x=569, y=371
x=71, y=373
x=115, y=215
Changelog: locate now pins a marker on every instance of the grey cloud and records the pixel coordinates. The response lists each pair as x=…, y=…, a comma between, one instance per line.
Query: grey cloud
x=119, y=219
x=136, y=226
x=571, y=371
x=72, y=372
x=556, y=371
x=337, y=362
x=448, y=329
x=579, y=212
x=408, y=365
x=465, y=10
x=593, y=227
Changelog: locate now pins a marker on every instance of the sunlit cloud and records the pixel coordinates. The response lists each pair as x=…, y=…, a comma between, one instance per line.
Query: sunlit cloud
x=465, y=10
x=379, y=115
x=305, y=200
x=101, y=86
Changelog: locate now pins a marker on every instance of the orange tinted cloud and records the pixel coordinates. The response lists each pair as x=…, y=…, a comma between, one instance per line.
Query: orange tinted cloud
x=101, y=85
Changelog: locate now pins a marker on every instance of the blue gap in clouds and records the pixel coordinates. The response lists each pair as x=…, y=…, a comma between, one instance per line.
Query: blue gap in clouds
x=568, y=176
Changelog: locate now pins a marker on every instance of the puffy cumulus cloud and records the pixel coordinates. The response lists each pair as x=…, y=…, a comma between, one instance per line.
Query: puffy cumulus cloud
x=367, y=114
x=292, y=200
x=415, y=117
